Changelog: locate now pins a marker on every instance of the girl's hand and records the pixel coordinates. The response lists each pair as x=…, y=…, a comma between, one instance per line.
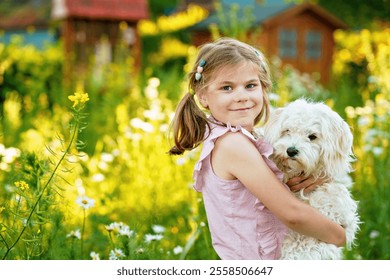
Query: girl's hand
x=307, y=183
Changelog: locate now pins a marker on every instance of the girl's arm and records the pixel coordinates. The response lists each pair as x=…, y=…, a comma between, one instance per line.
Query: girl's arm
x=235, y=157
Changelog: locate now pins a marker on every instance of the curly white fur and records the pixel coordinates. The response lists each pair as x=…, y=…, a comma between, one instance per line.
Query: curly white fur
x=311, y=139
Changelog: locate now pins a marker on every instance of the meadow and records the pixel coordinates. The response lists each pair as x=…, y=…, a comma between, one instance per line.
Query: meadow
x=83, y=160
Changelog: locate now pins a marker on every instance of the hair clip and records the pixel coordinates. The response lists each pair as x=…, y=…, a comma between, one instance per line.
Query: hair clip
x=199, y=69
x=261, y=60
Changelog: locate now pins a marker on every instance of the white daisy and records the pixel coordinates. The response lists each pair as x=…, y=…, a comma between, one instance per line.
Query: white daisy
x=94, y=256
x=116, y=254
x=85, y=202
x=152, y=237
x=98, y=177
x=178, y=250
x=125, y=231
x=374, y=234
x=74, y=234
x=158, y=229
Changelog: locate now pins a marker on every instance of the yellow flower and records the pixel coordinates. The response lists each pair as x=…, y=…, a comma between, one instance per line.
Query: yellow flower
x=22, y=185
x=79, y=97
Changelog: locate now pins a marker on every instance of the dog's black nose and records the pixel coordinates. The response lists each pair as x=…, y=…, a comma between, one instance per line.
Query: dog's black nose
x=292, y=151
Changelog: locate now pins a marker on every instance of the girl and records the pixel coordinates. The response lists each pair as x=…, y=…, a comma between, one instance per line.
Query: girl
x=247, y=206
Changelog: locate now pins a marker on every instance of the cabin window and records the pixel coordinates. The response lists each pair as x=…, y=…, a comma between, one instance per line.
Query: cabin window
x=313, y=44
x=288, y=43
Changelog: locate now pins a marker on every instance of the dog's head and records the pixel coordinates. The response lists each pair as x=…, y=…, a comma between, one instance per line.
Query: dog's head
x=310, y=139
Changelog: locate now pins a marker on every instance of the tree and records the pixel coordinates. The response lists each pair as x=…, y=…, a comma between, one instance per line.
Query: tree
x=158, y=7
x=358, y=13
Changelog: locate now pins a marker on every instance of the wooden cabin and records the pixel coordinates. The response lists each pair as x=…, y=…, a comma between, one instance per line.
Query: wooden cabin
x=95, y=27
x=28, y=22
x=301, y=35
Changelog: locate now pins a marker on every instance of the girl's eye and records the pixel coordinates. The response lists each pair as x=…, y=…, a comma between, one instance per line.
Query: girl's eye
x=251, y=86
x=312, y=137
x=226, y=88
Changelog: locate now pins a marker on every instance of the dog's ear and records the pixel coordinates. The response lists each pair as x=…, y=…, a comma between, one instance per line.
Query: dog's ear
x=337, y=150
x=345, y=145
x=346, y=140
x=272, y=127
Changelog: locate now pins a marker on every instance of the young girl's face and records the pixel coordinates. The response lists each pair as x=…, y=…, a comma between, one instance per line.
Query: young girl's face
x=234, y=95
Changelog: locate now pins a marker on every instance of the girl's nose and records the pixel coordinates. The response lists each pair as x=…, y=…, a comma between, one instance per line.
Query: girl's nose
x=241, y=96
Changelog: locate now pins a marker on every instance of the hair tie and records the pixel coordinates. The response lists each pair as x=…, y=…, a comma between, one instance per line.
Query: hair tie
x=199, y=69
x=261, y=60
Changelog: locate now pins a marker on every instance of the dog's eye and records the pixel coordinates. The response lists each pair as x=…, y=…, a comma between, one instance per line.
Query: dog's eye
x=312, y=137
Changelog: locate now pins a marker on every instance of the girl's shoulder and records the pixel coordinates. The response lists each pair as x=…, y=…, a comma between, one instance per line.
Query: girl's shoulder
x=218, y=134
x=235, y=141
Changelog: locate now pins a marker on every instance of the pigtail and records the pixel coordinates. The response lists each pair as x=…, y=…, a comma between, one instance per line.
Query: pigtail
x=189, y=126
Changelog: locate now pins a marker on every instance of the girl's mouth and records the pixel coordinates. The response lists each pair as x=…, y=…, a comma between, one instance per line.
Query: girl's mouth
x=241, y=109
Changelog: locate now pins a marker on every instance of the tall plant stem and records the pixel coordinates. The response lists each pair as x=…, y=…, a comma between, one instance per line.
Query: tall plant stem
x=82, y=236
x=74, y=133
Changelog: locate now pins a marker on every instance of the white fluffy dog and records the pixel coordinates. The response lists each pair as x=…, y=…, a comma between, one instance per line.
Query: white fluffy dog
x=312, y=140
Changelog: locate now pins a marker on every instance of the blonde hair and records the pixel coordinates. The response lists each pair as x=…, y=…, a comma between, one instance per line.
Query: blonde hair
x=190, y=122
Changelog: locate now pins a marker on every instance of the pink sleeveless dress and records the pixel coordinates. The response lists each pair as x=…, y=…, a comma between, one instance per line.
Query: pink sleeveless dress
x=241, y=227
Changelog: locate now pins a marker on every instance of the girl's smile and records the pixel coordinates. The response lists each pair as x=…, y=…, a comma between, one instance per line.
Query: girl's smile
x=235, y=95
x=242, y=109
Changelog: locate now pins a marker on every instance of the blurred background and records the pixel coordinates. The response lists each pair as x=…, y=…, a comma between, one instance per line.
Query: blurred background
x=96, y=177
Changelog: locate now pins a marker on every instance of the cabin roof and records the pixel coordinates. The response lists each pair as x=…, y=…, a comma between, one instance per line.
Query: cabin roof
x=128, y=10
x=271, y=13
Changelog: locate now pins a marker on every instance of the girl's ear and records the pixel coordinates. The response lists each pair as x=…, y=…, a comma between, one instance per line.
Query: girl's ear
x=202, y=98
